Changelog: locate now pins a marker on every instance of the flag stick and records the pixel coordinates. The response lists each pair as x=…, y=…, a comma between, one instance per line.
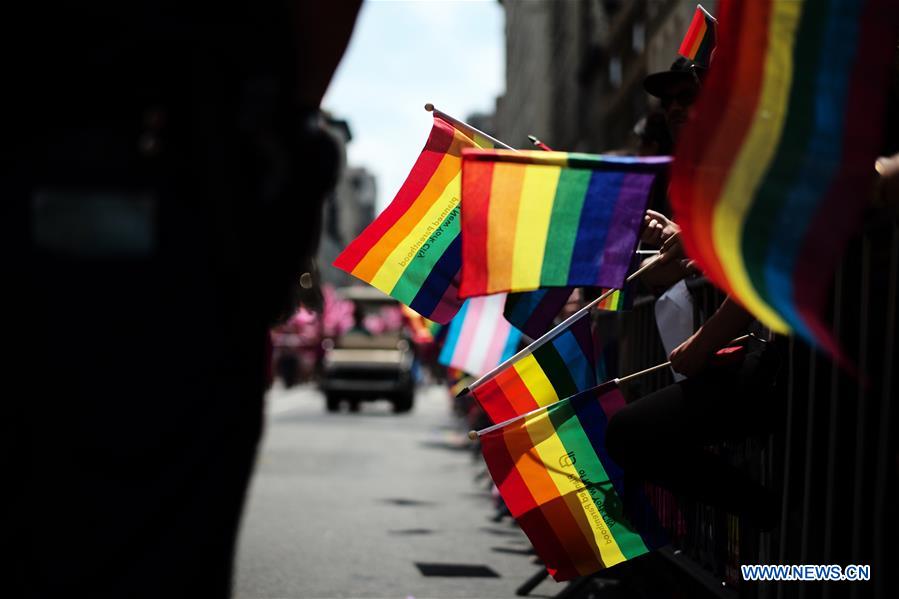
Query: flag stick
x=640, y=373
x=539, y=143
x=473, y=435
x=462, y=124
x=550, y=334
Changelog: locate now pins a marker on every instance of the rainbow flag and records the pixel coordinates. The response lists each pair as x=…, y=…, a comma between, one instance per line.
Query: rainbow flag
x=534, y=312
x=411, y=251
x=560, y=368
x=535, y=219
x=770, y=180
x=699, y=42
x=555, y=475
x=620, y=299
x=479, y=338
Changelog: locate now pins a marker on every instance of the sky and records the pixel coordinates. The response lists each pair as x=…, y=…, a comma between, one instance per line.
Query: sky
x=404, y=54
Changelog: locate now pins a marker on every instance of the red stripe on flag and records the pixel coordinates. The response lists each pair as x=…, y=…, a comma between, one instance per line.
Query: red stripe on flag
x=516, y=391
x=439, y=142
x=727, y=106
x=494, y=401
x=524, y=508
x=477, y=180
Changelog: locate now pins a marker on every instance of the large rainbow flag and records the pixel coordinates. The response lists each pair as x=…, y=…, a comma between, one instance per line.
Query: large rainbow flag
x=412, y=249
x=559, y=368
x=771, y=177
x=535, y=219
x=555, y=475
x=479, y=338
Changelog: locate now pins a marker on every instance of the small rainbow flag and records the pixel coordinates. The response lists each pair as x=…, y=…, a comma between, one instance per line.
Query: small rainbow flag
x=479, y=338
x=770, y=180
x=620, y=299
x=534, y=219
x=560, y=368
x=411, y=251
x=555, y=475
x=699, y=42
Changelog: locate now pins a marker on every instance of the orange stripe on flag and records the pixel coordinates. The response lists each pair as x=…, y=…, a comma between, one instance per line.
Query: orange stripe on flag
x=448, y=169
x=505, y=194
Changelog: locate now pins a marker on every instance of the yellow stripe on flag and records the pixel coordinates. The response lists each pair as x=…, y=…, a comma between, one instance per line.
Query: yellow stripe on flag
x=753, y=160
x=535, y=208
x=544, y=491
x=448, y=199
x=551, y=450
x=535, y=380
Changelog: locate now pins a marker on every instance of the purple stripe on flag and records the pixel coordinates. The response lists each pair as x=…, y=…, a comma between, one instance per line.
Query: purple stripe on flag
x=449, y=304
x=621, y=240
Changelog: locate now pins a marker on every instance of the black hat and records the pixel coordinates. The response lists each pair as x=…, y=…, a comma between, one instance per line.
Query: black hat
x=681, y=69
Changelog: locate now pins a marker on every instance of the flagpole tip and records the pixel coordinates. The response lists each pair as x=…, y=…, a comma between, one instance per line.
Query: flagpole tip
x=463, y=393
x=429, y=107
x=473, y=435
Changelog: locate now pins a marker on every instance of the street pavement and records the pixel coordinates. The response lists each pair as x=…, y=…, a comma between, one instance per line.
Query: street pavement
x=349, y=505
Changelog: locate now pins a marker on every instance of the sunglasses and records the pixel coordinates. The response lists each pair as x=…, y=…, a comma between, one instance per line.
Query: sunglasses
x=684, y=98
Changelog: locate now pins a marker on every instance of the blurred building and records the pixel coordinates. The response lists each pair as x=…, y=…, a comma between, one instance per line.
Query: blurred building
x=574, y=70
x=348, y=210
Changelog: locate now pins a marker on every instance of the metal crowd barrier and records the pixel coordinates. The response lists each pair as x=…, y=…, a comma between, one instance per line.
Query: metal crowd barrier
x=834, y=463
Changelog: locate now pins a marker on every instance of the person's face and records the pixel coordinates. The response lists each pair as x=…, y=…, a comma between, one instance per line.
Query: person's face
x=676, y=103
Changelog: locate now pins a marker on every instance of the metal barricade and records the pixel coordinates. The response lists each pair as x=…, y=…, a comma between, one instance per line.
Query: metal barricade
x=834, y=464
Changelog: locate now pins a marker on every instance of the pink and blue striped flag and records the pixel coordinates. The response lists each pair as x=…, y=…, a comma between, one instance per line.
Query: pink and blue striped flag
x=479, y=338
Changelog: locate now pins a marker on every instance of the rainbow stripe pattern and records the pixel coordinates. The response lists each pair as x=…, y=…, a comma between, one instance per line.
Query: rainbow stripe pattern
x=769, y=181
x=412, y=250
x=559, y=368
x=699, y=42
x=536, y=219
x=479, y=338
x=619, y=299
x=567, y=495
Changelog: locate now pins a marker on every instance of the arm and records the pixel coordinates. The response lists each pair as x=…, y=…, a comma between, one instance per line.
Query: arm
x=728, y=322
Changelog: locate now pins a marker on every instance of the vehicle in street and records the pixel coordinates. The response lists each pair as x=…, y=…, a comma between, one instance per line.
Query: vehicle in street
x=373, y=359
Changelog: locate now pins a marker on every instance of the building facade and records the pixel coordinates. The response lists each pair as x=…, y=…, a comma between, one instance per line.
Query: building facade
x=574, y=70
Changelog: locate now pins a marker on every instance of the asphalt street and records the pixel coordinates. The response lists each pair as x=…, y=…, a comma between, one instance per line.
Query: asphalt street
x=373, y=504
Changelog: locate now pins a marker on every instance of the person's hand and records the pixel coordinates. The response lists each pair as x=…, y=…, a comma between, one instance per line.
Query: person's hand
x=657, y=228
x=672, y=249
x=692, y=356
x=886, y=185
x=691, y=267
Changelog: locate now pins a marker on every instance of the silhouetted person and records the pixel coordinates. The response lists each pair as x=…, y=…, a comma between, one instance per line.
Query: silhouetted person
x=162, y=185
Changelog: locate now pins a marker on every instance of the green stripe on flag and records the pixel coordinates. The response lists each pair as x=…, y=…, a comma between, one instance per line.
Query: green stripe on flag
x=593, y=475
x=563, y=225
x=410, y=282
